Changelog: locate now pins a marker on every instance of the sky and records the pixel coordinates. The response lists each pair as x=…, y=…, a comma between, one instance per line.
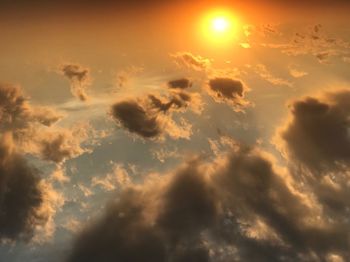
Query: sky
x=174, y=131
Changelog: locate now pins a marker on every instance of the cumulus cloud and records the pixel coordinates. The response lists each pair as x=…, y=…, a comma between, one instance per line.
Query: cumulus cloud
x=151, y=116
x=20, y=194
x=316, y=142
x=79, y=78
x=189, y=60
x=229, y=90
x=186, y=203
x=52, y=203
x=132, y=116
x=240, y=207
x=59, y=145
x=317, y=132
x=17, y=114
x=181, y=83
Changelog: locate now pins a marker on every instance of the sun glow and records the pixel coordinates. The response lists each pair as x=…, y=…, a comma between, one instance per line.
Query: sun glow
x=220, y=26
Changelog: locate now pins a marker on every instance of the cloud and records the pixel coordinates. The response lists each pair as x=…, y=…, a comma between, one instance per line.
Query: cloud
x=317, y=132
x=61, y=144
x=52, y=203
x=79, y=78
x=59, y=175
x=297, y=73
x=133, y=238
x=316, y=142
x=264, y=73
x=132, y=116
x=123, y=77
x=241, y=201
x=118, y=178
x=20, y=194
x=151, y=116
x=17, y=114
x=177, y=100
x=181, y=83
x=225, y=89
x=189, y=60
x=315, y=41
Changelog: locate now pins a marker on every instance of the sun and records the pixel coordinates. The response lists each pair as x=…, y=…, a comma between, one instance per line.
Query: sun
x=219, y=26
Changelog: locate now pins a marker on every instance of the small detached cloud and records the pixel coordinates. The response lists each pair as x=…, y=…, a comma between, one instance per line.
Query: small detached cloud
x=79, y=78
x=191, y=61
x=297, y=73
x=182, y=83
x=134, y=117
x=229, y=90
x=151, y=116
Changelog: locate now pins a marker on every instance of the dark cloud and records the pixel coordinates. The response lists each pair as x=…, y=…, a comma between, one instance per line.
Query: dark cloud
x=181, y=83
x=232, y=91
x=79, y=78
x=151, y=116
x=136, y=119
x=189, y=204
x=317, y=133
x=131, y=231
x=241, y=201
x=316, y=142
x=20, y=194
x=176, y=101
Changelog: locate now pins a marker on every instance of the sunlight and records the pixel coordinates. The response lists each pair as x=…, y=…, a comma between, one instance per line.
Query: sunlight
x=219, y=26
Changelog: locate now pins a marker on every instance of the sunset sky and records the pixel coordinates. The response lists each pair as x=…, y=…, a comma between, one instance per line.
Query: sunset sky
x=174, y=131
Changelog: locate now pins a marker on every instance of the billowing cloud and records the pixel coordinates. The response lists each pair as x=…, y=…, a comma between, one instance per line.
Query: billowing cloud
x=17, y=114
x=20, y=194
x=316, y=142
x=79, y=78
x=317, y=132
x=231, y=91
x=181, y=83
x=189, y=60
x=61, y=144
x=241, y=207
x=186, y=209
